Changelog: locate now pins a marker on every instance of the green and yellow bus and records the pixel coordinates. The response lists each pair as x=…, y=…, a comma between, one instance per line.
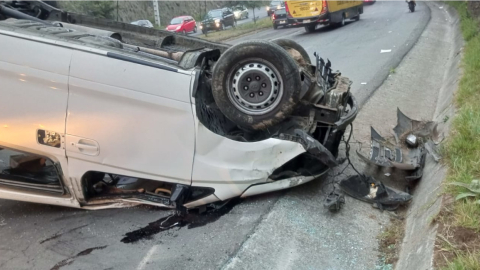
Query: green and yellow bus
x=309, y=14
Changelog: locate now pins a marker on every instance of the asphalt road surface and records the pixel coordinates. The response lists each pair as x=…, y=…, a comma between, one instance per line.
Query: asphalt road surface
x=282, y=230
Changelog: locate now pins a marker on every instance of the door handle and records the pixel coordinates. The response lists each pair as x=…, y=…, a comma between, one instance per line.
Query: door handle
x=87, y=146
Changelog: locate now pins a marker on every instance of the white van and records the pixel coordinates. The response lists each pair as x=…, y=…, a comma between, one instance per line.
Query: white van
x=90, y=121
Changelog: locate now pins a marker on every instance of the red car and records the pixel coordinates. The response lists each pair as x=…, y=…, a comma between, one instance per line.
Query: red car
x=182, y=24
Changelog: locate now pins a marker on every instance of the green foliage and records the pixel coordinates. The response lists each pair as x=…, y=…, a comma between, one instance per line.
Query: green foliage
x=98, y=9
x=473, y=189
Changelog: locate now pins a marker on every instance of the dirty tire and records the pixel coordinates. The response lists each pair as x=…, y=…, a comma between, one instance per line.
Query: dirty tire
x=290, y=44
x=268, y=58
x=275, y=26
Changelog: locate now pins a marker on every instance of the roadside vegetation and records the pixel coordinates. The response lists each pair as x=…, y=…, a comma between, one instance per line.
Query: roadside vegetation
x=458, y=242
x=390, y=242
x=240, y=30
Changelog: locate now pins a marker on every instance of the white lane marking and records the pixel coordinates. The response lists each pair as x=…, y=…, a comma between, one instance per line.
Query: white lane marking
x=145, y=259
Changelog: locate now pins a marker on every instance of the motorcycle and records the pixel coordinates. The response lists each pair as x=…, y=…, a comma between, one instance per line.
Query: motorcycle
x=411, y=5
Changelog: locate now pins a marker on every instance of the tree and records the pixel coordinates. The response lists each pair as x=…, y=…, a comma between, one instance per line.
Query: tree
x=251, y=4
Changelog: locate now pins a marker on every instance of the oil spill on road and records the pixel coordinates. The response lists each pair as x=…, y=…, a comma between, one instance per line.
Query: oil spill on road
x=70, y=260
x=191, y=220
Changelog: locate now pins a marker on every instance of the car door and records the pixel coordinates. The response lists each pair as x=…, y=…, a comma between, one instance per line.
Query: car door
x=189, y=26
x=192, y=24
x=33, y=102
x=129, y=118
x=228, y=17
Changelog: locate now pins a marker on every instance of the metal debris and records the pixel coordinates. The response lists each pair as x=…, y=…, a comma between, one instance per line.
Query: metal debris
x=409, y=153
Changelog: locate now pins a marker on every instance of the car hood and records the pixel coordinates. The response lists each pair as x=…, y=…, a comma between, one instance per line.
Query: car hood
x=211, y=19
x=173, y=26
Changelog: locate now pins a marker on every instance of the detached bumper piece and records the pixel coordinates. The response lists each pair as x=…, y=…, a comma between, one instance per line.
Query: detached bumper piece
x=413, y=139
x=368, y=189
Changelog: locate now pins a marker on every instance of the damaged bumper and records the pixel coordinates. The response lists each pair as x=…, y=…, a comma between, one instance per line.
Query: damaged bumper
x=413, y=140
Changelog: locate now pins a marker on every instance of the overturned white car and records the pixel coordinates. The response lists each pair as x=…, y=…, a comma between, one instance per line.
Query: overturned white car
x=97, y=114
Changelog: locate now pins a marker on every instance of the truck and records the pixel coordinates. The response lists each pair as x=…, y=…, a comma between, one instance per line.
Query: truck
x=310, y=14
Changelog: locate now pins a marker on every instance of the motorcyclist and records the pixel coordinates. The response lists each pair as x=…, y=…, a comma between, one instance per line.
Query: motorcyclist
x=414, y=3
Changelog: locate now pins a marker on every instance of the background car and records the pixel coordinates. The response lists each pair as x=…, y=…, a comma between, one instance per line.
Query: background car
x=144, y=23
x=279, y=18
x=274, y=5
x=240, y=12
x=182, y=24
x=218, y=19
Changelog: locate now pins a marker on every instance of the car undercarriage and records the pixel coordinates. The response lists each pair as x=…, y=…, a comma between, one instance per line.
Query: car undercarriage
x=240, y=93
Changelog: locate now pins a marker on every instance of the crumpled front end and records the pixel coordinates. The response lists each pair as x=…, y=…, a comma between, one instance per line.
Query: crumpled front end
x=238, y=162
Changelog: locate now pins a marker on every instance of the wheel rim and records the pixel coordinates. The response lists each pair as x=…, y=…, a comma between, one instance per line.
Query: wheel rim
x=255, y=87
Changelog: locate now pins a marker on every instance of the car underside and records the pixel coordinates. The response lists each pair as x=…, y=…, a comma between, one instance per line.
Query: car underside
x=274, y=123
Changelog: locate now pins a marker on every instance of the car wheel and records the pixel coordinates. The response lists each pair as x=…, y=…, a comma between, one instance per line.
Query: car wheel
x=184, y=32
x=310, y=28
x=256, y=84
x=289, y=44
x=234, y=24
x=247, y=16
x=195, y=29
x=275, y=26
x=342, y=23
x=222, y=26
x=204, y=31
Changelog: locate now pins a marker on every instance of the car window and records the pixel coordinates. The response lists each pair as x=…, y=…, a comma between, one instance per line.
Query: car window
x=176, y=21
x=275, y=3
x=214, y=13
x=280, y=11
x=238, y=8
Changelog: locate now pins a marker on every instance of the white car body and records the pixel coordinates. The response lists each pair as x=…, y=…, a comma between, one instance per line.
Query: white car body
x=240, y=13
x=120, y=117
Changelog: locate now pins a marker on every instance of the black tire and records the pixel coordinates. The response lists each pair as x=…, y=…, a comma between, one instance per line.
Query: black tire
x=204, y=31
x=310, y=28
x=290, y=44
x=275, y=26
x=342, y=23
x=234, y=24
x=222, y=26
x=195, y=29
x=253, y=64
x=247, y=16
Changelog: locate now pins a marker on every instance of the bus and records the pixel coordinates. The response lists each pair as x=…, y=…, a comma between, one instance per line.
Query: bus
x=309, y=14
